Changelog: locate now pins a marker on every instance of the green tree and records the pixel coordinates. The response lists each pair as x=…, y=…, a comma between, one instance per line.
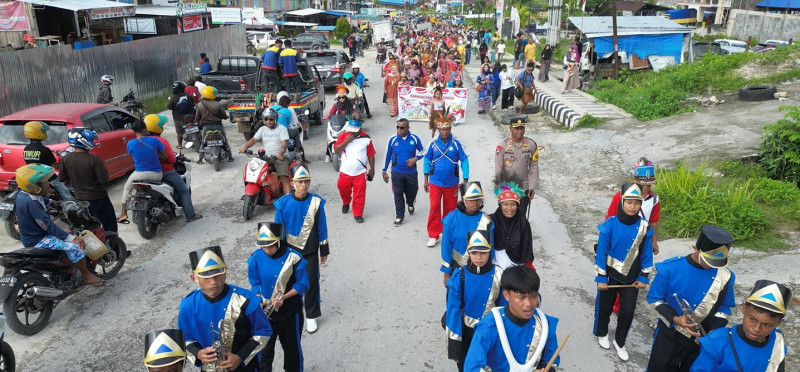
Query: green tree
x=343, y=27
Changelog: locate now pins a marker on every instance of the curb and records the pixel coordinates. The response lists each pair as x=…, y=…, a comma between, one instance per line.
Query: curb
x=556, y=109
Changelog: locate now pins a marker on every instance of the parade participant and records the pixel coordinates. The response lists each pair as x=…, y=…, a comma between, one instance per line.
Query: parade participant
x=358, y=160
x=147, y=153
x=461, y=52
x=754, y=345
x=519, y=335
x=484, y=81
x=88, y=177
x=525, y=82
x=155, y=126
x=436, y=109
x=702, y=280
x=403, y=150
x=269, y=68
x=414, y=71
x=390, y=84
x=220, y=312
x=644, y=175
x=277, y=274
x=342, y=105
x=516, y=160
x=181, y=103
x=404, y=82
x=483, y=49
x=472, y=292
x=303, y=216
x=361, y=81
x=441, y=163
x=432, y=83
x=513, y=239
x=37, y=153
x=466, y=217
x=209, y=115
x=37, y=229
x=275, y=139
x=104, y=92
x=164, y=351
x=388, y=66
x=620, y=262
x=288, y=60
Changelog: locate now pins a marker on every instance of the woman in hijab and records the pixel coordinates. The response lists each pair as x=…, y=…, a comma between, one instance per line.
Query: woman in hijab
x=513, y=240
x=570, y=70
x=547, y=59
x=485, y=95
x=390, y=84
x=436, y=110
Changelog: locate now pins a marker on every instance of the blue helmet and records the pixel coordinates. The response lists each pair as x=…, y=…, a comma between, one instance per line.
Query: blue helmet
x=82, y=138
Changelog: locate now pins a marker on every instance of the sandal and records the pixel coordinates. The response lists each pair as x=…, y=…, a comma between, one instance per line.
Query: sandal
x=124, y=221
x=96, y=283
x=179, y=147
x=199, y=162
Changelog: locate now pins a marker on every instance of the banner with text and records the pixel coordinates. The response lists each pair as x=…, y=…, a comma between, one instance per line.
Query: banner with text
x=13, y=17
x=415, y=102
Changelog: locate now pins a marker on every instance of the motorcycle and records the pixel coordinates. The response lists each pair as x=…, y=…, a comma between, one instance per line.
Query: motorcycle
x=381, y=58
x=261, y=184
x=154, y=203
x=35, y=280
x=8, y=362
x=336, y=125
x=133, y=105
x=8, y=209
x=214, y=148
x=358, y=107
x=191, y=131
x=250, y=47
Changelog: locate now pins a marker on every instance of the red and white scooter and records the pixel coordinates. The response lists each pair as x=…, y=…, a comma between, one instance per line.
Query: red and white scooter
x=261, y=184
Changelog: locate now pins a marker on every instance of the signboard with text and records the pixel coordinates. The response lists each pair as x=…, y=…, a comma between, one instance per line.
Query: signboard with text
x=192, y=22
x=225, y=16
x=414, y=103
x=13, y=16
x=105, y=13
x=191, y=8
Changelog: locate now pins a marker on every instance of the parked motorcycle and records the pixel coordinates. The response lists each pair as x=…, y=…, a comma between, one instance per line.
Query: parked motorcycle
x=214, y=148
x=35, y=280
x=336, y=125
x=133, y=105
x=191, y=131
x=8, y=362
x=250, y=47
x=8, y=209
x=261, y=184
x=154, y=203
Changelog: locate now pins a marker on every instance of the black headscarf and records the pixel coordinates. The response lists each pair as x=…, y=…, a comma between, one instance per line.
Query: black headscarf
x=513, y=235
x=547, y=53
x=621, y=215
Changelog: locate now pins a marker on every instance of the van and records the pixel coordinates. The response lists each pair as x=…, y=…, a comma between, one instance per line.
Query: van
x=261, y=39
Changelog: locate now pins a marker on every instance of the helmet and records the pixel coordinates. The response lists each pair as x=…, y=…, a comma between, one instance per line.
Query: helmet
x=208, y=92
x=36, y=130
x=155, y=123
x=270, y=113
x=29, y=177
x=280, y=95
x=356, y=66
x=347, y=75
x=82, y=138
x=178, y=87
x=107, y=79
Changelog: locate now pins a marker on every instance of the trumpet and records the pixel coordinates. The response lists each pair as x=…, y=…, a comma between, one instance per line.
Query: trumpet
x=267, y=305
x=689, y=314
x=219, y=349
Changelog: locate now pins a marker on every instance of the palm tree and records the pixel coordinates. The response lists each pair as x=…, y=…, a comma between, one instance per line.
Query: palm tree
x=480, y=7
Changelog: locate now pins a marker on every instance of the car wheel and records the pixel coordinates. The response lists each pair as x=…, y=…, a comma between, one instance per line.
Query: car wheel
x=316, y=47
x=757, y=93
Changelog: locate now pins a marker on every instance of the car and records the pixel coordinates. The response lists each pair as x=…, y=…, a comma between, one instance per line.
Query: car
x=777, y=43
x=261, y=39
x=762, y=48
x=310, y=41
x=732, y=46
x=701, y=48
x=111, y=123
x=331, y=64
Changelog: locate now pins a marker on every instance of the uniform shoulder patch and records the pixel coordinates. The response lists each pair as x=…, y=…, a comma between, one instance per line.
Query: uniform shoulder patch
x=498, y=150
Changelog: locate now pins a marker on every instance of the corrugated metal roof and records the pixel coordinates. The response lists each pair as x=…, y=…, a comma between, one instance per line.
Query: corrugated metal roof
x=75, y=5
x=594, y=27
x=397, y=2
x=305, y=12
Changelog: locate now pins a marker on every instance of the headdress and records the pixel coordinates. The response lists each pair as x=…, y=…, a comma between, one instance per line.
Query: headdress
x=269, y=233
x=445, y=120
x=341, y=90
x=164, y=348
x=644, y=172
x=508, y=191
x=478, y=241
x=631, y=191
x=300, y=172
x=207, y=262
x=714, y=244
x=471, y=190
x=770, y=296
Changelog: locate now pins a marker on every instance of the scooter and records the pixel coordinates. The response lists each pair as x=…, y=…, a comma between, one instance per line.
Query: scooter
x=336, y=125
x=35, y=280
x=191, y=131
x=154, y=203
x=261, y=184
x=133, y=105
x=7, y=360
x=381, y=58
x=214, y=148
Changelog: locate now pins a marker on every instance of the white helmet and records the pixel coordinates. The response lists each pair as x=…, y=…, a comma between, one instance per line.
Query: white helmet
x=281, y=94
x=356, y=66
x=107, y=79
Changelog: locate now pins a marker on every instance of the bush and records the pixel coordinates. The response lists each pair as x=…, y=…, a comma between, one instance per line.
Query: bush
x=589, y=121
x=343, y=27
x=780, y=148
x=775, y=192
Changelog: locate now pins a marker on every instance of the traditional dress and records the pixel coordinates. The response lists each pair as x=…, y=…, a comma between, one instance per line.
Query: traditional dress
x=485, y=95
x=390, y=85
x=436, y=112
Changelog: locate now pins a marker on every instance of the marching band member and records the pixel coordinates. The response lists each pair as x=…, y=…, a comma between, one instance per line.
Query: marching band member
x=164, y=351
x=221, y=312
x=466, y=217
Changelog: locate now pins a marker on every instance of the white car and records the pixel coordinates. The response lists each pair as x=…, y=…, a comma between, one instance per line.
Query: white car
x=777, y=43
x=732, y=46
x=261, y=39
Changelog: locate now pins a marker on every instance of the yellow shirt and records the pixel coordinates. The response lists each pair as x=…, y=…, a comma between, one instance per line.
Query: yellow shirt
x=530, y=52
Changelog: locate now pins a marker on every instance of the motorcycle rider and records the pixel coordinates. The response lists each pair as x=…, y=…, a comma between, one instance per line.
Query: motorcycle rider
x=209, y=115
x=155, y=126
x=354, y=92
x=287, y=117
x=37, y=153
x=181, y=103
x=147, y=154
x=275, y=139
x=36, y=229
x=381, y=51
x=104, y=93
x=361, y=81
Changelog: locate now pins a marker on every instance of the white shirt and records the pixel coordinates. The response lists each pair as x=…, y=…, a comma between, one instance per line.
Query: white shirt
x=501, y=48
x=506, y=80
x=272, y=139
x=354, y=156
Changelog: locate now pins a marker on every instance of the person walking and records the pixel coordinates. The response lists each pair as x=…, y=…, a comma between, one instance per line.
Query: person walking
x=525, y=82
x=484, y=81
x=516, y=160
x=467, y=216
x=496, y=82
x=443, y=158
x=358, y=160
x=547, y=60
x=403, y=150
x=530, y=51
x=571, y=80
x=501, y=51
x=513, y=238
x=507, y=88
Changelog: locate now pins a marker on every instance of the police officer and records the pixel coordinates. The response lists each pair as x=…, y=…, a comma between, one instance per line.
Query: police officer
x=516, y=159
x=164, y=351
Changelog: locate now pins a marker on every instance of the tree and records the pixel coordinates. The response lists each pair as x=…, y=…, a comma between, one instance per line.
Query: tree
x=343, y=27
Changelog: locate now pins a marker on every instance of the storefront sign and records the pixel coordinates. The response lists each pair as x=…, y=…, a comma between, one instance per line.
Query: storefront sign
x=415, y=102
x=252, y=13
x=226, y=16
x=191, y=8
x=13, y=17
x=104, y=13
x=192, y=22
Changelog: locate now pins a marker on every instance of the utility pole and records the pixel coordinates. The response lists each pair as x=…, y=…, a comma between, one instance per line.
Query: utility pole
x=554, y=21
x=614, y=32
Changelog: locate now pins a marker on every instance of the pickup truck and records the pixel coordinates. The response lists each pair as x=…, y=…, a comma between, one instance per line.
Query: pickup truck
x=234, y=75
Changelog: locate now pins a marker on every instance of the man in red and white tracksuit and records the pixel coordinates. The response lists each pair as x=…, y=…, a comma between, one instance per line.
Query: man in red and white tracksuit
x=358, y=158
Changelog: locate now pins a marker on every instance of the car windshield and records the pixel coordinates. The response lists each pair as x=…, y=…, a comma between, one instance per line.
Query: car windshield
x=321, y=60
x=11, y=133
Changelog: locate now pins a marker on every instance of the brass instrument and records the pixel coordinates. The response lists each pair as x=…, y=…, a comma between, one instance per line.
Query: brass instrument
x=687, y=311
x=219, y=349
x=267, y=303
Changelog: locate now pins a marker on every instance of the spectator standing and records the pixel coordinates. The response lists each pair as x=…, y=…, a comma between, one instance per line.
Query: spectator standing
x=507, y=88
x=269, y=67
x=501, y=51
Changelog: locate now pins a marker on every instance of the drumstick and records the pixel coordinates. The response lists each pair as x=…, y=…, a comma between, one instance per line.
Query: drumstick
x=622, y=286
x=553, y=358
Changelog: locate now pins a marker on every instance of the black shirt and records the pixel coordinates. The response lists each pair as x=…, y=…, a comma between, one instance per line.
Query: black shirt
x=37, y=153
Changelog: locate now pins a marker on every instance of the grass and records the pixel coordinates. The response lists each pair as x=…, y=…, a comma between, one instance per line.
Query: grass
x=157, y=103
x=589, y=121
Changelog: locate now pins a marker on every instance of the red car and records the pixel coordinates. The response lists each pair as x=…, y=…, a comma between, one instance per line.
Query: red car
x=111, y=123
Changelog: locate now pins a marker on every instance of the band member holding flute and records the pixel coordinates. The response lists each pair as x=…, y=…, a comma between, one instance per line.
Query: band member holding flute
x=624, y=256
x=221, y=312
x=278, y=274
x=519, y=336
x=754, y=345
x=702, y=280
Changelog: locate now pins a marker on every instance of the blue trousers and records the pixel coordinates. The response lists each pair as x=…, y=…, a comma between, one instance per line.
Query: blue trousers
x=404, y=187
x=495, y=93
x=292, y=84
x=62, y=190
x=181, y=192
x=467, y=55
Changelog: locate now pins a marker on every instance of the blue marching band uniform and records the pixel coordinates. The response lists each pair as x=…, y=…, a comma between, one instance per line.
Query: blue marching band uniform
x=274, y=275
x=456, y=226
x=472, y=291
x=234, y=317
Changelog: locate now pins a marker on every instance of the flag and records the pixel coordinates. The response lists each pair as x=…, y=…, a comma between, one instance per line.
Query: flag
x=180, y=27
x=583, y=7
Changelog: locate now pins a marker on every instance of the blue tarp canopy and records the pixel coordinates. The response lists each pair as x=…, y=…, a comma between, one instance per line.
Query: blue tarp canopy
x=397, y=2
x=779, y=4
x=324, y=28
x=334, y=13
x=643, y=45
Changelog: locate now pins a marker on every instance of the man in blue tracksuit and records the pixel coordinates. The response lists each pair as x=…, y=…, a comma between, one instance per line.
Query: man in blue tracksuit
x=402, y=151
x=269, y=68
x=289, y=59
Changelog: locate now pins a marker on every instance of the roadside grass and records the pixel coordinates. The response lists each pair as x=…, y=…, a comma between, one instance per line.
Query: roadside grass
x=652, y=95
x=589, y=121
x=157, y=103
x=752, y=207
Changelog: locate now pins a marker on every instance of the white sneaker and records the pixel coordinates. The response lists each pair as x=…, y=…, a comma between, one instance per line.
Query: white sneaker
x=494, y=107
x=311, y=325
x=432, y=242
x=327, y=158
x=621, y=352
x=603, y=341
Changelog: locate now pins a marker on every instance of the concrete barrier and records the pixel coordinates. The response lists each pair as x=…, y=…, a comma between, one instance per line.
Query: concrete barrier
x=556, y=109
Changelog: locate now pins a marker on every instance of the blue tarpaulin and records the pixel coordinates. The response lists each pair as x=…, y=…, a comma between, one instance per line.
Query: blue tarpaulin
x=397, y=2
x=642, y=45
x=780, y=4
